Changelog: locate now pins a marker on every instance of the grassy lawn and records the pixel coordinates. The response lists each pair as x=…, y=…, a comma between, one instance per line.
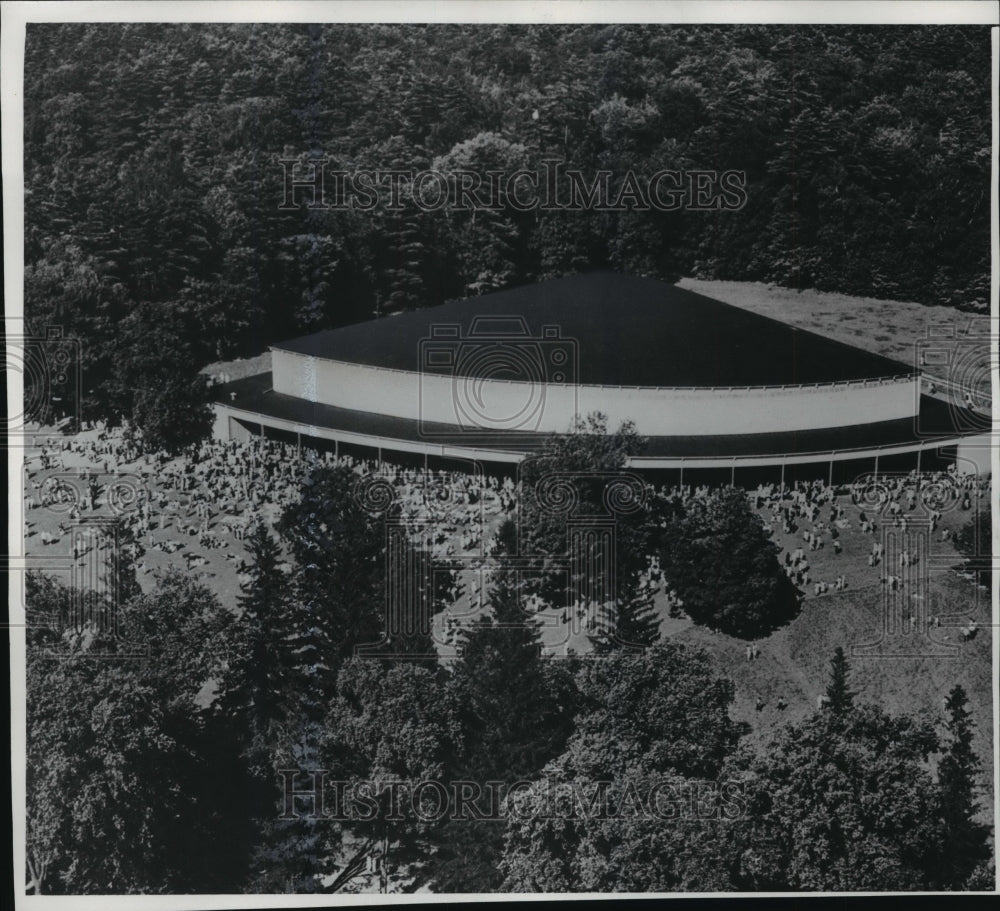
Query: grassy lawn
x=889, y=328
x=794, y=664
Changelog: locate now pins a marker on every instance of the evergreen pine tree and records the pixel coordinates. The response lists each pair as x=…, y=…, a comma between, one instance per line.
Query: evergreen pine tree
x=517, y=709
x=267, y=707
x=256, y=688
x=964, y=840
x=635, y=621
x=513, y=715
x=837, y=691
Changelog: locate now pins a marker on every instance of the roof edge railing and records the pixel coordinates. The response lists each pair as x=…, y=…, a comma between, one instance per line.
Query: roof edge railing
x=867, y=381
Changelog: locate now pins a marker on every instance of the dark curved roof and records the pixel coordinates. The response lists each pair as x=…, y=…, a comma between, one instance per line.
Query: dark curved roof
x=607, y=329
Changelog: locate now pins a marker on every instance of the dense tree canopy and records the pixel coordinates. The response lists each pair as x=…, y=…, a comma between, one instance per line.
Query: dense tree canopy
x=847, y=801
x=628, y=778
x=339, y=548
x=631, y=804
x=105, y=738
x=722, y=564
x=664, y=708
x=390, y=735
x=515, y=709
x=123, y=792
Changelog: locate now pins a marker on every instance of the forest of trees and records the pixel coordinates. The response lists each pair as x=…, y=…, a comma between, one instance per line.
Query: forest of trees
x=175, y=793
x=154, y=180
x=180, y=763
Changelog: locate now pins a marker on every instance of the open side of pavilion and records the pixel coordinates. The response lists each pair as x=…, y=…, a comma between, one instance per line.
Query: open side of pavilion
x=941, y=432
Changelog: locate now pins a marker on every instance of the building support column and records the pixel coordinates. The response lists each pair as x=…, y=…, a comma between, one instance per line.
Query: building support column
x=876, y=466
x=830, y=482
x=919, y=452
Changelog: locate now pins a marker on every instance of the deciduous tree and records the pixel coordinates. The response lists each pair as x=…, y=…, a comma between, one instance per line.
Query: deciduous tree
x=725, y=569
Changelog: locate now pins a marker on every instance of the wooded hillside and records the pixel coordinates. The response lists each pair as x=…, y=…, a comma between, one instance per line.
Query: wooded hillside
x=154, y=227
